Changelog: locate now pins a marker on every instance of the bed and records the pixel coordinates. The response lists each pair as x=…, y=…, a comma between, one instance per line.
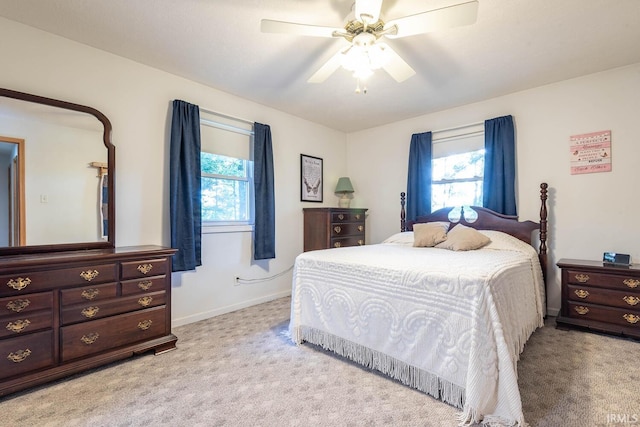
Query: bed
x=451, y=323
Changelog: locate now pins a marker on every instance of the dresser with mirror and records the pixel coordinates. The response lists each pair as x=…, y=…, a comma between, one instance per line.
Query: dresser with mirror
x=70, y=299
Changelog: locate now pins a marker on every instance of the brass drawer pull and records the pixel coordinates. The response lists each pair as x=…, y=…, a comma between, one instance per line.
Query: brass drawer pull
x=18, y=305
x=19, y=283
x=631, y=300
x=581, y=310
x=582, y=278
x=89, y=275
x=631, y=318
x=632, y=283
x=340, y=217
x=19, y=355
x=360, y=228
x=337, y=244
x=18, y=326
x=145, y=285
x=361, y=242
x=357, y=216
x=90, y=312
x=144, y=325
x=145, y=301
x=90, y=338
x=581, y=293
x=337, y=229
x=90, y=293
x=145, y=268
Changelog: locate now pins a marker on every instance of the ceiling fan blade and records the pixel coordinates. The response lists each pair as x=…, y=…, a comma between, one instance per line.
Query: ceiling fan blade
x=368, y=10
x=270, y=26
x=396, y=66
x=329, y=67
x=434, y=20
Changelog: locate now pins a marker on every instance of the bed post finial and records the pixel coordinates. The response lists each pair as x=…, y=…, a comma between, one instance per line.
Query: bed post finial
x=403, y=220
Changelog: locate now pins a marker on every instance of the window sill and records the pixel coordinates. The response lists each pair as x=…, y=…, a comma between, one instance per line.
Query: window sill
x=213, y=229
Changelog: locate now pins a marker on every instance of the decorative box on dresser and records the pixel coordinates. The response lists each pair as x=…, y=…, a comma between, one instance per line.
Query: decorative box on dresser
x=326, y=228
x=600, y=297
x=64, y=312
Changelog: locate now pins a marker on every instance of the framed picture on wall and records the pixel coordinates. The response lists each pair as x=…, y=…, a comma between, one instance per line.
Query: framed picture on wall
x=310, y=178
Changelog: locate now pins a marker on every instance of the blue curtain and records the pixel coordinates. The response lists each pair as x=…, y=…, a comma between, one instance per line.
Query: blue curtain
x=419, y=177
x=264, y=241
x=499, y=193
x=184, y=187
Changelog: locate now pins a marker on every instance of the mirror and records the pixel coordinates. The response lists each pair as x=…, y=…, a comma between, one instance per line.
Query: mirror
x=57, y=167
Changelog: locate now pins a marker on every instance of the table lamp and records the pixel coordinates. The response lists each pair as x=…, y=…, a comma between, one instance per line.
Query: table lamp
x=344, y=188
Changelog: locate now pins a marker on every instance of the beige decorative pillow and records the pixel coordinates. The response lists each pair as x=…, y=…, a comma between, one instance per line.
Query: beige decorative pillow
x=429, y=234
x=463, y=238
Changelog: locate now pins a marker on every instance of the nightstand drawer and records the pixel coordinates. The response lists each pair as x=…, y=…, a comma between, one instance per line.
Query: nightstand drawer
x=347, y=241
x=622, y=299
x=604, y=280
x=618, y=316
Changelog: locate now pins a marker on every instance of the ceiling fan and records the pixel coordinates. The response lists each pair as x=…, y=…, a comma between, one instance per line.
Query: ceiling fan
x=365, y=51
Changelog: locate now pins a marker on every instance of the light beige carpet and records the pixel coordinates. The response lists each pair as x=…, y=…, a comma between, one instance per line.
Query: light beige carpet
x=240, y=369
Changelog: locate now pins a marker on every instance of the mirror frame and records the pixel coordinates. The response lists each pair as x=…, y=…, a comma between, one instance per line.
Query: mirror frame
x=111, y=166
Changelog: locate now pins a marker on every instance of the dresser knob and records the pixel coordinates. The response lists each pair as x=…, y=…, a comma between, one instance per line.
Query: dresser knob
x=144, y=325
x=631, y=318
x=581, y=293
x=631, y=300
x=18, y=326
x=90, y=338
x=89, y=275
x=145, y=268
x=341, y=217
x=357, y=216
x=90, y=312
x=360, y=242
x=90, y=294
x=145, y=285
x=581, y=310
x=632, y=283
x=337, y=229
x=18, y=305
x=145, y=301
x=582, y=278
x=19, y=283
x=19, y=356
x=337, y=244
x=360, y=227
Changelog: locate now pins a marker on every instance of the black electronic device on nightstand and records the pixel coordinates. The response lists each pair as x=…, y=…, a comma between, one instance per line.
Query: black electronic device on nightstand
x=616, y=260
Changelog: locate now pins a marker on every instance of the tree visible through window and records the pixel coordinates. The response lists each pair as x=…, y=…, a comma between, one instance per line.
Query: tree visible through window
x=456, y=180
x=225, y=189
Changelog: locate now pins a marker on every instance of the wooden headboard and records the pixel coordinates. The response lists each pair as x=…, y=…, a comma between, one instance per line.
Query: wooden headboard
x=491, y=220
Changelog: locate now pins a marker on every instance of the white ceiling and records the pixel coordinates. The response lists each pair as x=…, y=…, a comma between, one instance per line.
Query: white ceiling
x=514, y=45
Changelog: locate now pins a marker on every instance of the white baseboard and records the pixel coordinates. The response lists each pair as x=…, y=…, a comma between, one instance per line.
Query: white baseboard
x=228, y=309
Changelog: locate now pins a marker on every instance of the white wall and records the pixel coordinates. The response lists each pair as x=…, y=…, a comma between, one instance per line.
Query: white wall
x=137, y=100
x=589, y=214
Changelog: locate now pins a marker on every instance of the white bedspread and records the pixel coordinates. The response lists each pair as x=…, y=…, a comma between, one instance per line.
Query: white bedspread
x=451, y=324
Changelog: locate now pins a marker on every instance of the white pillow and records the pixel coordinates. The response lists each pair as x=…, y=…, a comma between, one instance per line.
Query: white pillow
x=404, y=238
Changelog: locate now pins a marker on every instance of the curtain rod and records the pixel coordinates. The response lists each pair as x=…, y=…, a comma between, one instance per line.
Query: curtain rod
x=458, y=127
x=206, y=110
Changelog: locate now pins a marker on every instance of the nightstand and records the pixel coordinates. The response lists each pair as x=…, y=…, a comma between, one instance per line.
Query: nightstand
x=326, y=228
x=600, y=297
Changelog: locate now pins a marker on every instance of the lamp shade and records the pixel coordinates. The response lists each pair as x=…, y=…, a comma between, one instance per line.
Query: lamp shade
x=344, y=185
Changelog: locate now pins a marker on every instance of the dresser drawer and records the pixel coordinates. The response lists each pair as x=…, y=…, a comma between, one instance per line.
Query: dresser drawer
x=99, y=309
x=23, y=323
x=347, y=241
x=618, y=316
x=92, y=337
x=143, y=268
x=88, y=293
x=17, y=284
x=604, y=280
x=340, y=217
x=25, y=353
x=622, y=299
x=26, y=303
x=338, y=230
x=137, y=286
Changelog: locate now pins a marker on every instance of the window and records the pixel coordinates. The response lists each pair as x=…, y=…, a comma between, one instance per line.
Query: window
x=457, y=169
x=227, y=173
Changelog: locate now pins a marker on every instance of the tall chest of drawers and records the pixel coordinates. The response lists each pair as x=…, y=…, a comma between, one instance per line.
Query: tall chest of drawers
x=600, y=297
x=65, y=312
x=326, y=228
